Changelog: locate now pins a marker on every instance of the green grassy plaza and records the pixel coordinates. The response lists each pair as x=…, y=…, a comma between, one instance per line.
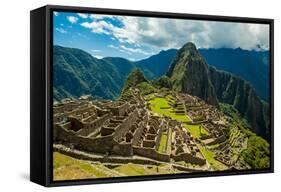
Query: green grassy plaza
x=161, y=106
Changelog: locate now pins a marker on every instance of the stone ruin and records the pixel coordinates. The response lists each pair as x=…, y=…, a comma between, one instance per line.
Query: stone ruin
x=122, y=129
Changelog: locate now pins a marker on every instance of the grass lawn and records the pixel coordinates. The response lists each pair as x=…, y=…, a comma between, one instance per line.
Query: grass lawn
x=160, y=105
x=195, y=130
x=156, y=105
x=131, y=169
x=68, y=168
x=169, y=147
x=209, y=155
x=163, y=142
x=214, y=146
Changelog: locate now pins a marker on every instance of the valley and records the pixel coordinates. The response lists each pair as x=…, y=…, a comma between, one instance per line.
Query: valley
x=193, y=118
x=159, y=133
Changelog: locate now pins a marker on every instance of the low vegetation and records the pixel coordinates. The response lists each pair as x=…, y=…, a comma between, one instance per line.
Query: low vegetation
x=67, y=168
x=210, y=157
x=163, y=142
x=257, y=153
x=134, y=169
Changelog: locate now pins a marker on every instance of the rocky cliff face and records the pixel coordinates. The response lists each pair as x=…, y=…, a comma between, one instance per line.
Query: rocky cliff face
x=237, y=92
x=189, y=74
x=251, y=65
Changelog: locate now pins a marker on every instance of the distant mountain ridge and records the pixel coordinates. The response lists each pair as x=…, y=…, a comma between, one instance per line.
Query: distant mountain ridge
x=252, y=66
x=157, y=65
x=76, y=72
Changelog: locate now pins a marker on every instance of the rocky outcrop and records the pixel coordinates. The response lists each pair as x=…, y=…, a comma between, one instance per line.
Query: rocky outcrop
x=237, y=92
x=189, y=74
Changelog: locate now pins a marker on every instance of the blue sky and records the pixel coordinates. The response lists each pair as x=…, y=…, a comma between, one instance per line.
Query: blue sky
x=136, y=38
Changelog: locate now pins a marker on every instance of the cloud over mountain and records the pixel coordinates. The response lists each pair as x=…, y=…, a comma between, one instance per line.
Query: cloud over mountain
x=162, y=33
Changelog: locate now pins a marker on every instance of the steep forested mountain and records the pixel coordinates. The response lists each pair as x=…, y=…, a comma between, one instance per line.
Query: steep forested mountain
x=252, y=66
x=157, y=65
x=76, y=72
x=190, y=74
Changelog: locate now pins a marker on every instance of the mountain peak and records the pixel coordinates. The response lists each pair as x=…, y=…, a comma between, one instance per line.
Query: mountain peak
x=188, y=50
x=189, y=46
x=134, y=78
x=189, y=74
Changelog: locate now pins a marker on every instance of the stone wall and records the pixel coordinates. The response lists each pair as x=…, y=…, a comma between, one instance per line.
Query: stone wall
x=151, y=153
x=195, y=122
x=189, y=158
x=119, y=110
x=158, y=137
x=121, y=130
x=218, y=140
x=123, y=149
x=123, y=160
x=168, y=140
x=99, y=144
x=94, y=126
x=137, y=133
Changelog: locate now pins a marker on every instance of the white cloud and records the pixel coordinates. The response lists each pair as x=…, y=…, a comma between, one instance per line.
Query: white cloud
x=96, y=50
x=100, y=17
x=56, y=13
x=72, y=19
x=100, y=27
x=98, y=56
x=160, y=33
x=133, y=50
x=83, y=15
x=61, y=30
x=129, y=50
x=112, y=46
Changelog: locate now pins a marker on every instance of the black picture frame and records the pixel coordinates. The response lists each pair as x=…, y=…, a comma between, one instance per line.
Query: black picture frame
x=41, y=42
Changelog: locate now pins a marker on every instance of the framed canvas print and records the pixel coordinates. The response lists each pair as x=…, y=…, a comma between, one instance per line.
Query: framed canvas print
x=120, y=95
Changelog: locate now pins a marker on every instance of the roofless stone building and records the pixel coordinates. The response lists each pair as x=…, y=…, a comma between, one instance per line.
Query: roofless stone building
x=122, y=129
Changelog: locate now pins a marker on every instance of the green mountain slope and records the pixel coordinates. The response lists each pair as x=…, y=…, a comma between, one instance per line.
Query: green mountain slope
x=137, y=80
x=77, y=72
x=251, y=65
x=190, y=74
x=237, y=92
x=157, y=65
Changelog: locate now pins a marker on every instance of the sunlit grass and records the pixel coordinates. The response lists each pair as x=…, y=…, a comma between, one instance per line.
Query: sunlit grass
x=162, y=107
x=195, y=130
x=163, y=143
x=134, y=169
x=68, y=168
x=210, y=157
